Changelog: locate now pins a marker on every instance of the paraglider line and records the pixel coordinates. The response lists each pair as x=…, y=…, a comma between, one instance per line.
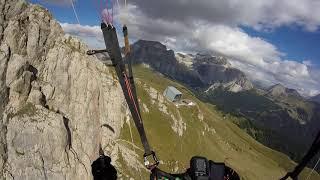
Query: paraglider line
x=75, y=12
x=313, y=169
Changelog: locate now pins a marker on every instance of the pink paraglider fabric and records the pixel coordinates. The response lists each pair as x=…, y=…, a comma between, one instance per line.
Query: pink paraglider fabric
x=106, y=16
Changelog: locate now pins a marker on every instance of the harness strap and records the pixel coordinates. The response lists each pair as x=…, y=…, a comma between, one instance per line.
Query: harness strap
x=126, y=40
x=314, y=149
x=112, y=45
x=128, y=85
x=130, y=73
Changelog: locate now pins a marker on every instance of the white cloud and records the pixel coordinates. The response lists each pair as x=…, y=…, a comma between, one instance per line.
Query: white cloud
x=259, y=59
x=90, y=31
x=235, y=43
x=307, y=62
x=260, y=14
x=92, y=35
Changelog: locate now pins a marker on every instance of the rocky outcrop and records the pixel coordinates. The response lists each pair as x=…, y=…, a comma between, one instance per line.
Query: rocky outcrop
x=54, y=99
x=158, y=57
x=279, y=90
x=185, y=59
x=211, y=60
x=217, y=72
x=198, y=71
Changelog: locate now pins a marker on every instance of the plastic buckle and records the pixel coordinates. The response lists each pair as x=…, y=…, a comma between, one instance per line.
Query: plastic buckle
x=91, y=52
x=147, y=163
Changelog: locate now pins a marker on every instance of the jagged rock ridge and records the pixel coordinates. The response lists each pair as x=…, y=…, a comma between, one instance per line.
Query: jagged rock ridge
x=279, y=90
x=216, y=71
x=197, y=71
x=162, y=60
x=54, y=99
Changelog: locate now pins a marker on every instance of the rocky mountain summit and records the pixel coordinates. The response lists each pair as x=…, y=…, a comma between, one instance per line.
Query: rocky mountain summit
x=54, y=99
x=211, y=60
x=279, y=90
x=197, y=71
x=216, y=71
x=158, y=57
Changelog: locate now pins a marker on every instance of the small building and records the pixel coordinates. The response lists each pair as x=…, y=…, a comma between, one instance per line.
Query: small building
x=172, y=94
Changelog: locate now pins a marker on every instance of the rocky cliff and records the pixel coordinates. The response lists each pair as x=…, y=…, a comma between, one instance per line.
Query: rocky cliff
x=216, y=71
x=158, y=57
x=279, y=90
x=55, y=101
x=198, y=71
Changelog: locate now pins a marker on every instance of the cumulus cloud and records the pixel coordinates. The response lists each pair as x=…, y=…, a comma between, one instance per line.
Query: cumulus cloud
x=307, y=62
x=92, y=35
x=258, y=58
x=261, y=60
x=213, y=26
x=77, y=29
x=262, y=14
x=306, y=85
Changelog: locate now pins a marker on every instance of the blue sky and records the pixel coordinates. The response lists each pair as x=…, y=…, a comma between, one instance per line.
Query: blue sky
x=271, y=41
x=295, y=42
x=86, y=10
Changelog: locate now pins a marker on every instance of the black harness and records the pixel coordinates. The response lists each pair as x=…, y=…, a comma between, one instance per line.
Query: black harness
x=128, y=87
x=314, y=149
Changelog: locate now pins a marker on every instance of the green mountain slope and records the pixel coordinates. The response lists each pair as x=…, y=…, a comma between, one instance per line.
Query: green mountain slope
x=284, y=123
x=178, y=133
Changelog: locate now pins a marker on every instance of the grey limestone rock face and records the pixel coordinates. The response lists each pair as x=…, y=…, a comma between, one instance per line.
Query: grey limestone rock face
x=200, y=70
x=46, y=77
x=279, y=90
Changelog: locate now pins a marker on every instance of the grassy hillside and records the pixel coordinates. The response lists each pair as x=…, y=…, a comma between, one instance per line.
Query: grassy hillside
x=284, y=123
x=178, y=133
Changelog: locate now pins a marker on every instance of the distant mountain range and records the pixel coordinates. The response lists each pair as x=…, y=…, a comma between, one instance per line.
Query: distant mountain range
x=278, y=117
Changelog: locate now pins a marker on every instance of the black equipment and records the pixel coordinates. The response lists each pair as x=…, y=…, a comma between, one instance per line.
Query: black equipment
x=103, y=170
x=314, y=149
x=200, y=169
x=128, y=87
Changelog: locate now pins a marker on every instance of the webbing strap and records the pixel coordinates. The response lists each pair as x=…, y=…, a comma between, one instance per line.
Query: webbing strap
x=112, y=45
x=126, y=40
x=314, y=149
x=128, y=85
x=127, y=53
